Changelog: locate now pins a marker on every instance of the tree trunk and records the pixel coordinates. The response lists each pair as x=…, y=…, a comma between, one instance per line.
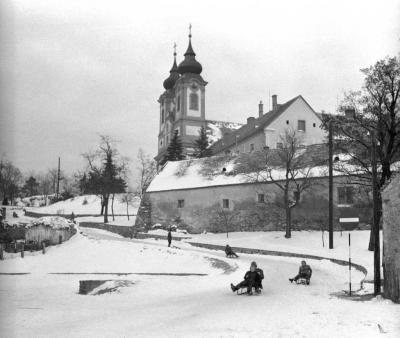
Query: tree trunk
x=127, y=209
x=288, y=233
x=105, y=204
x=288, y=212
x=112, y=207
x=102, y=206
x=379, y=216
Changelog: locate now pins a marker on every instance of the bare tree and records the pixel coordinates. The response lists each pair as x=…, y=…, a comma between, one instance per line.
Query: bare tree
x=372, y=112
x=146, y=169
x=106, y=172
x=288, y=168
x=45, y=186
x=127, y=198
x=10, y=179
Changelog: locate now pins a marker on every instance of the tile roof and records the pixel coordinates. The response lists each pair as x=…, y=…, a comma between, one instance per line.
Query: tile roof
x=253, y=128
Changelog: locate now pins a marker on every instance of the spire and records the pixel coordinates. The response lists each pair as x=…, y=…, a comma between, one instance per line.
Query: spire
x=189, y=50
x=169, y=83
x=174, y=68
x=190, y=64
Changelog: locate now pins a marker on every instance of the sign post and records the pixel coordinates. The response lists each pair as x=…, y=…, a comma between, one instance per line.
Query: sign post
x=348, y=221
x=349, y=264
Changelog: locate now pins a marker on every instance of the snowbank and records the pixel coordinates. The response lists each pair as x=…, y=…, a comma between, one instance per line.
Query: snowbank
x=86, y=205
x=54, y=222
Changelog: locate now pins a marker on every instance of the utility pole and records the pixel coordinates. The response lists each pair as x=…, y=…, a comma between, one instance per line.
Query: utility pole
x=377, y=253
x=58, y=179
x=330, y=145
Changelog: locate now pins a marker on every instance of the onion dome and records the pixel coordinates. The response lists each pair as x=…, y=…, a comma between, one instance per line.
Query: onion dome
x=190, y=64
x=169, y=83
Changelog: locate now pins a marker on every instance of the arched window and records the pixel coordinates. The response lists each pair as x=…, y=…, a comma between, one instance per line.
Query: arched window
x=179, y=103
x=193, y=101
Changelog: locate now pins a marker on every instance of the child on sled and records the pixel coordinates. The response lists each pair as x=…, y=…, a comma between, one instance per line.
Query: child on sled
x=229, y=252
x=252, y=279
x=305, y=272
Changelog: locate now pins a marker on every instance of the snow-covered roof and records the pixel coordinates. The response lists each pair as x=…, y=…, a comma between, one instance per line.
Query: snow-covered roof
x=196, y=173
x=54, y=222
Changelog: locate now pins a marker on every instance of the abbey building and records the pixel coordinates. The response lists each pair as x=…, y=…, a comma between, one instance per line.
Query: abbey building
x=182, y=110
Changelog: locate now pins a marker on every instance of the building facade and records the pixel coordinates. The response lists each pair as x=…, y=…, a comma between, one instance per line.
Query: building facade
x=182, y=104
x=205, y=194
x=268, y=130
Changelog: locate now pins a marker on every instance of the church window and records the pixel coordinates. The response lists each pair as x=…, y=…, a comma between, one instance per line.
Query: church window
x=261, y=198
x=181, y=204
x=178, y=107
x=251, y=147
x=193, y=101
x=162, y=115
x=314, y=125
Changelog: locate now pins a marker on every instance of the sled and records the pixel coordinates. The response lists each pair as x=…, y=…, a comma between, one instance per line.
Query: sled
x=302, y=281
x=232, y=256
x=243, y=291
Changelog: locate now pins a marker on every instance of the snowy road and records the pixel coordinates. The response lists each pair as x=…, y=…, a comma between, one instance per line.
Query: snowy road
x=43, y=305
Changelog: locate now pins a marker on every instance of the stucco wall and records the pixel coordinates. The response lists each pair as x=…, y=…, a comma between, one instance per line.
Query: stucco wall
x=391, y=239
x=203, y=207
x=299, y=110
x=244, y=147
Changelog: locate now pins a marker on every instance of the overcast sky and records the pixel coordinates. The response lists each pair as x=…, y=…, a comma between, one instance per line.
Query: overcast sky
x=71, y=70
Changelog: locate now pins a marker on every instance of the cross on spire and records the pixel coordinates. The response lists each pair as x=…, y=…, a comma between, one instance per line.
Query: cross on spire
x=174, y=48
x=190, y=30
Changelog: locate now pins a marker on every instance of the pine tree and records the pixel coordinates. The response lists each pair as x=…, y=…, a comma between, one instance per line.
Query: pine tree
x=175, y=149
x=201, y=145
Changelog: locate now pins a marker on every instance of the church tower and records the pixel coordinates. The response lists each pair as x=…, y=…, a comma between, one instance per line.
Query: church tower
x=182, y=105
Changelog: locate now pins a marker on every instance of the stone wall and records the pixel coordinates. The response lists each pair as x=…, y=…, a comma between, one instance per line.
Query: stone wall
x=125, y=231
x=391, y=239
x=203, y=209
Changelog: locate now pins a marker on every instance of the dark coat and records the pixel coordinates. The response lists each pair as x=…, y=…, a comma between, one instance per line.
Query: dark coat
x=305, y=270
x=251, y=276
x=169, y=236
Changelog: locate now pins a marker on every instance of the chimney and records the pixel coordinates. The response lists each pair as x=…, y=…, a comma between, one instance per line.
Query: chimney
x=260, y=109
x=274, y=102
x=251, y=120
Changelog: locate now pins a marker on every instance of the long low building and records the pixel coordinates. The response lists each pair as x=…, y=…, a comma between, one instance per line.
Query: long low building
x=208, y=194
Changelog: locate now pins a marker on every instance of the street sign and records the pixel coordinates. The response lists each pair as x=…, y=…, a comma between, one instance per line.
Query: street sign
x=348, y=218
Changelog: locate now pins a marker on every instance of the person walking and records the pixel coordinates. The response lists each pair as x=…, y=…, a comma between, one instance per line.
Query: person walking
x=169, y=237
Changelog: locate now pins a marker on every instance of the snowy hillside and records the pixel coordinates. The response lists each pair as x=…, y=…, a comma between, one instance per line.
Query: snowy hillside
x=216, y=129
x=158, y=295
x=87, y=205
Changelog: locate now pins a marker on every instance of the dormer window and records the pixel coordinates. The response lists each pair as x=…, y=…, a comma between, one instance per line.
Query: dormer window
x=193, y=101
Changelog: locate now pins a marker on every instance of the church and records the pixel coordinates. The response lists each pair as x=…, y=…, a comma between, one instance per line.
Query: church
x=183, y=110
x=210, y=193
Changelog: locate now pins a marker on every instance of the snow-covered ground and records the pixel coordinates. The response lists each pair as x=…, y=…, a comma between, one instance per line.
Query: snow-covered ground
x=307, y=242
x=47, y=305
x=86, y=205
